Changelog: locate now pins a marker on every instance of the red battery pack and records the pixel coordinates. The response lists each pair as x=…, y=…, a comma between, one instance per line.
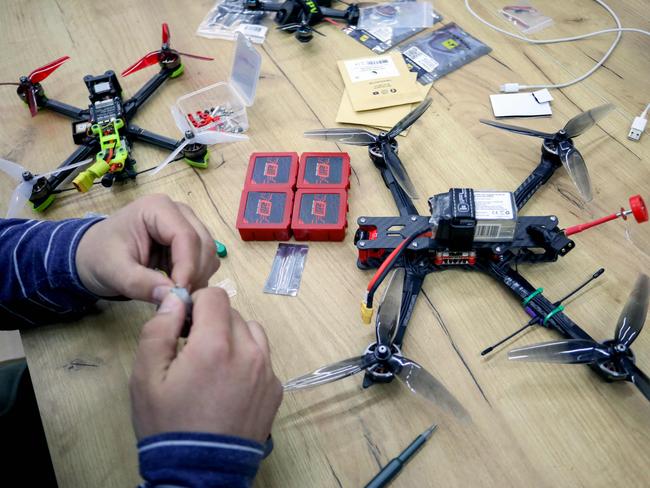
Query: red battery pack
x=324, y=170
x=319, y=215
x=265, y=214
x=276, y=169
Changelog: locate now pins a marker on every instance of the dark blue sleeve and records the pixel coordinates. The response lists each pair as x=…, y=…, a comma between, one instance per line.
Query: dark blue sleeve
x=193, y=460
x=39, y=281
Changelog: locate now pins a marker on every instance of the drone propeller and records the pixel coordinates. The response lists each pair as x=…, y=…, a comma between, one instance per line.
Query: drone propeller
x=571, y=158
x=580, y=351
x=26, y=181
x=165, y=53
x=412, y=374
x=389, y=310
x=206, y=136
x=385, y=142
x=26, y=86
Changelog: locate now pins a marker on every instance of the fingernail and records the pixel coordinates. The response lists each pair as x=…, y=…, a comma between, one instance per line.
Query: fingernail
x=160, y=293
x=170, y=303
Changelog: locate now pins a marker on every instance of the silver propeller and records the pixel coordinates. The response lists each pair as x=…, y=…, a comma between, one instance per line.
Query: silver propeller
x=26, y=181
x=586, y=120
x=385, y=141
x=632, y=318
x=389, y=310
x=575, y=165
x=421, y=382
x=571, y=351
x=581, y=351
x=204, y=135
x=328, y=374
x=352, y=137
x=571, y=158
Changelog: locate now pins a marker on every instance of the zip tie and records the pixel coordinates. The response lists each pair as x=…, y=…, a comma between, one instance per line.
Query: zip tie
x=531, y=296
x=556, y=310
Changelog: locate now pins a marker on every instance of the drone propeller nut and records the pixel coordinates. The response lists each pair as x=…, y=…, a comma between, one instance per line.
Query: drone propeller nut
x=639, y=209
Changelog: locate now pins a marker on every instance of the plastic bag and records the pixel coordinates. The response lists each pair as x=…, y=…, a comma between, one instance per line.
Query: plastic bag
x=228, y=17
x=287, y=268
x=397, y=15
x=526, y=17
x=386, y=33
x=441, y=52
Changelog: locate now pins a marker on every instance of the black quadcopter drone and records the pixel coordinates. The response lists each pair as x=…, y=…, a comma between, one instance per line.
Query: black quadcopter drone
x=104, y=131
x=300, y=16
x=480, y=231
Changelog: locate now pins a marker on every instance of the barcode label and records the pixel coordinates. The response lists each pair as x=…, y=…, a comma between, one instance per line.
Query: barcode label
x=366, y=69
x=424, y=61
x=251, y=28
x=487, y=230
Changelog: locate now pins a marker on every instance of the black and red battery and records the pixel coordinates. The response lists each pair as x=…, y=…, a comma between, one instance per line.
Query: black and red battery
x=324, y=170
x=265, y=214
x=319, y=214
x=278, y=169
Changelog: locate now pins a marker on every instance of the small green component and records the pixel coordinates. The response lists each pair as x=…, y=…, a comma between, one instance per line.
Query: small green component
x=43, y=206
x=199, y=164
x=222, y=252
x=178, y=72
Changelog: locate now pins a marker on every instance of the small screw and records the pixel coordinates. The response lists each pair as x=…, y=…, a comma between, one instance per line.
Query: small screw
x=362, y=220
x=362, y=244
x=415, y=244
x=553, y=218
x=413, y=218
x=497, y=249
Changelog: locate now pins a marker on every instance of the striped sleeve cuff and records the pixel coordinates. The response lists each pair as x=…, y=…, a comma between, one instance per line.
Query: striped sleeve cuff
x=41, y=283
x=192, y=459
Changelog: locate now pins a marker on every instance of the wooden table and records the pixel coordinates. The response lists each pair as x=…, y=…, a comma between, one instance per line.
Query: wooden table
x=540, y=425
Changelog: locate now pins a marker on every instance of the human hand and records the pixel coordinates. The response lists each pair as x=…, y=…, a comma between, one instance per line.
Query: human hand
x=220, y=382
x=116, y=255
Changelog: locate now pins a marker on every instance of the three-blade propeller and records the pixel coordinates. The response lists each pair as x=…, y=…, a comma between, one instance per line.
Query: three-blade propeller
x=165, y=53
x=27, y=84
x=302, y=30
x=205, y=135
x=26, y=181
x=571, y=158
x=385, y=142
x=580, y=351
x=386, y=357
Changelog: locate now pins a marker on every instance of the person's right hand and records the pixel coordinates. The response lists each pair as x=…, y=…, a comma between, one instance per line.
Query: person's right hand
x=220, y=382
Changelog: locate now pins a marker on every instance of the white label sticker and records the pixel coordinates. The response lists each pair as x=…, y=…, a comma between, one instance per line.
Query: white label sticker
x=256, y=33
x=383, y=33
x=423, y=60
x=371, y=68
x=493, y=205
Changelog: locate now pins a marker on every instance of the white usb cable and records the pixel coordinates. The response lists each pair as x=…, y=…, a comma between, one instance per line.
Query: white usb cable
x=515, y=87
x=638, y=125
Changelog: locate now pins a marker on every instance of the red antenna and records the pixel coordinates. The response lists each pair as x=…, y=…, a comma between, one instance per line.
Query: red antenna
x=637, y=208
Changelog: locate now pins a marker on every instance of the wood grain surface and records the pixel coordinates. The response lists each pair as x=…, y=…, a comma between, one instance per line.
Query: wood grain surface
x=531, y=425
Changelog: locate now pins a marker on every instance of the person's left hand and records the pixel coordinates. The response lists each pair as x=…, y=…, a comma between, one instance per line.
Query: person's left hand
x=116, y=256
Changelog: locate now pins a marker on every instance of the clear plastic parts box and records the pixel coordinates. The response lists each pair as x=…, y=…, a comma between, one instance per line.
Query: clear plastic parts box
x=222, y=106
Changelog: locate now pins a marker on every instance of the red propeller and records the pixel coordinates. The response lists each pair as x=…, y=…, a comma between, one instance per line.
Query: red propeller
x=164, y=54
x=26, y=86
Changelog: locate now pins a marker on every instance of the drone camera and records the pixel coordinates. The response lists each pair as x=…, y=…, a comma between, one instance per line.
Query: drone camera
x=103, y=87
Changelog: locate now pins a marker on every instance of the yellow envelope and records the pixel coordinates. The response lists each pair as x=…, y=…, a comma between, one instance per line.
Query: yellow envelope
x=379, y=81
x=381, y=118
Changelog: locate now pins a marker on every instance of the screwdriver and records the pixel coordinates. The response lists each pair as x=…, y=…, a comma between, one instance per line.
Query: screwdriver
x=391, y=470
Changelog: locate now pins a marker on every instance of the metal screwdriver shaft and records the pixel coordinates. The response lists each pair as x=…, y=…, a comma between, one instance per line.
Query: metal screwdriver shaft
x=391, y=470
